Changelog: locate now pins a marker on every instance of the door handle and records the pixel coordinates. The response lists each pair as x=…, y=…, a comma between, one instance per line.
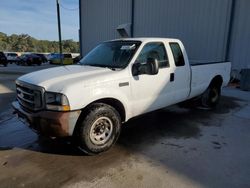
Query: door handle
x=171, y=77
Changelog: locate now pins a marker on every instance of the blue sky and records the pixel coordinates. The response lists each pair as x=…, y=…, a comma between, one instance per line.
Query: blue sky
x=38, y=18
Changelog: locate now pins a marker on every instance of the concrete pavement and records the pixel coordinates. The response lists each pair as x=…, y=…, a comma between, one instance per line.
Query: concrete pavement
x=173, y=147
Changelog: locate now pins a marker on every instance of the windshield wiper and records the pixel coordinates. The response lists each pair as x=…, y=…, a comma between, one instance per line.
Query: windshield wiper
x=102, y=66
x=111, y=68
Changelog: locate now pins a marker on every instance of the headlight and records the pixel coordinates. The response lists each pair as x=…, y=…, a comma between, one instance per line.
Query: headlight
x=56, y=101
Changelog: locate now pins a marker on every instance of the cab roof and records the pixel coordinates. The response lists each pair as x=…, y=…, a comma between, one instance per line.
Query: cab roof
x=149, y=39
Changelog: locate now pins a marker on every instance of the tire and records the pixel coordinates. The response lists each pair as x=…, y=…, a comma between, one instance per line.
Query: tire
x=5, y=64
x=210, y=98
x=92, y=136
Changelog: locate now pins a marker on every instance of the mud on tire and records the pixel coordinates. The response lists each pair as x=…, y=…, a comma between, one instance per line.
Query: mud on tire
x=98, y=129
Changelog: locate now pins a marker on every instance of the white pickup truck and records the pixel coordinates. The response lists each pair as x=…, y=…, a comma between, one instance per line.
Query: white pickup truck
x=116, y=81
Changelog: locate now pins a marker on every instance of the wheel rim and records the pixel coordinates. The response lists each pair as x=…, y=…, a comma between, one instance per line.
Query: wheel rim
x=214, y=95
x=101, y=130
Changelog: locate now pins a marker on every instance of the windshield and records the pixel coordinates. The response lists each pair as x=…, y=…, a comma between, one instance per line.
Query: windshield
x=114, y=54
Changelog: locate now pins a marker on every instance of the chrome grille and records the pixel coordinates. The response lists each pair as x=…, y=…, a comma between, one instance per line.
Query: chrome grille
x=29, y=96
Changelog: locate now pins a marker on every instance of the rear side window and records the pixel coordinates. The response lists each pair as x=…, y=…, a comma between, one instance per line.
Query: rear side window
x=67, y=55
x=12, y=54
x=177, y=53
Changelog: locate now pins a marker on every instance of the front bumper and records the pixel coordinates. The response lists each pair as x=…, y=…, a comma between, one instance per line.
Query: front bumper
x=48, y=123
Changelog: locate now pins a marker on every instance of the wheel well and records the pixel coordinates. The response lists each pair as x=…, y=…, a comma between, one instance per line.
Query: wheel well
x=112, y=102
x=217, y=80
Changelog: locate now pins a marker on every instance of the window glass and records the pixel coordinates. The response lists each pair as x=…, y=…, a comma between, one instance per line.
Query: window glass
x=177, y=53
x=67, y=55
x=155, y=50
x=113, y=54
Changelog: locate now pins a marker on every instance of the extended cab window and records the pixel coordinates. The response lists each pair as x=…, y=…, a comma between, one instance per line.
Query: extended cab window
x=177, y=53
x=155, y=50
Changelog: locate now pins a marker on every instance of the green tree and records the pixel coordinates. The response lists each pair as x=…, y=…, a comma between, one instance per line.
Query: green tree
x=26, y=43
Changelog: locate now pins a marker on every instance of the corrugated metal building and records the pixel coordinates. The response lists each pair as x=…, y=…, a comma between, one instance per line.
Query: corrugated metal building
x=211, y=30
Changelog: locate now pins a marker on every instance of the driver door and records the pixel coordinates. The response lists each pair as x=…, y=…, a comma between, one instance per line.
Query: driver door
x=151, y=92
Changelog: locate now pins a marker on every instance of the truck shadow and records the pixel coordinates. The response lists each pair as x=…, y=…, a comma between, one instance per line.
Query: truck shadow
x=174, y=122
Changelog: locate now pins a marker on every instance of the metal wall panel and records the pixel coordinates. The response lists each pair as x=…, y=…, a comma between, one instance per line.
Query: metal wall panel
x=240, y=45
x=99, y=20
x=202, y=25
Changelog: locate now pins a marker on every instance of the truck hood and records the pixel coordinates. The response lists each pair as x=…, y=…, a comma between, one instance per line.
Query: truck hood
x=58, y=78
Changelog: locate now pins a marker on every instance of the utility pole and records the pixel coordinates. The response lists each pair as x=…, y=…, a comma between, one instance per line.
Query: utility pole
x=59, y=30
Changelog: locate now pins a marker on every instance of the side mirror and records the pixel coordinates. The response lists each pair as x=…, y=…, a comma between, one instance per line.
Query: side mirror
x=151, y=67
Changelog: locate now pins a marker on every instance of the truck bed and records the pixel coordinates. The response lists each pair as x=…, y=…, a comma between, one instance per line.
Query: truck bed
x=203, y=72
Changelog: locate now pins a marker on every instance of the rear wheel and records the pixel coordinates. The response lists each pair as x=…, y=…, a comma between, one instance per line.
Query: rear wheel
x=99, y=129
x=210, y=98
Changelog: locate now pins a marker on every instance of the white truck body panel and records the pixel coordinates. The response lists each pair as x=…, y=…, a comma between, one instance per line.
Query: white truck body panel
x=153, y=92
x=201, y=78
x=84, y=84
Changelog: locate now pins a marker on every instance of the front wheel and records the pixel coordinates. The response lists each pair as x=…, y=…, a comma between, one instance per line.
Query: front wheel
x=210, y=98
x=99, y=129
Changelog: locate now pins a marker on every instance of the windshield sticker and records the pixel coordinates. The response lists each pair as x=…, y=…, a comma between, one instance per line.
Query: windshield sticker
x=126, y=47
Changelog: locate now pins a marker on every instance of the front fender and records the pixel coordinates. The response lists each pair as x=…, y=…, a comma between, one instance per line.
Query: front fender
x=84, y=97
